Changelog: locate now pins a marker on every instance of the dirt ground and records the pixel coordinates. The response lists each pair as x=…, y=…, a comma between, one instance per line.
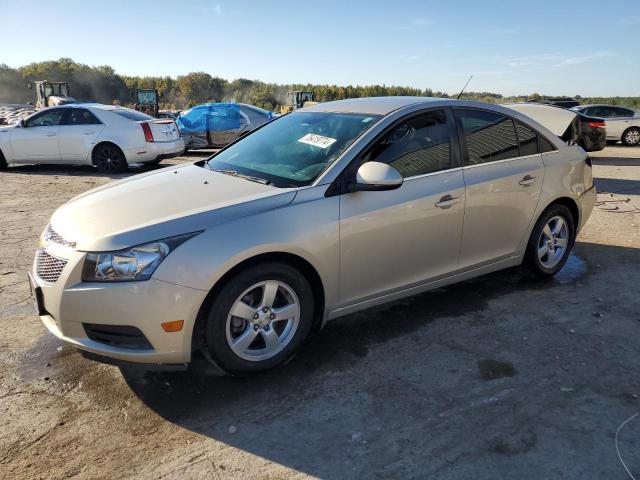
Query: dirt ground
x=499, y=377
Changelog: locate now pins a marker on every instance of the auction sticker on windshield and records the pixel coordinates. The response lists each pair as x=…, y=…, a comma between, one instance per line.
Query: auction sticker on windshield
x=317, y=140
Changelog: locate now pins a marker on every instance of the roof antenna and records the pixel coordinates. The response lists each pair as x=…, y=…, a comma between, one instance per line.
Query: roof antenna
x=465, y=86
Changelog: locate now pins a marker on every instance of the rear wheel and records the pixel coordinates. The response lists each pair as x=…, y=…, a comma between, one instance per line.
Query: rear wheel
x=259, y=318
x=631, y=136
x=109, y=159
x=551, y=241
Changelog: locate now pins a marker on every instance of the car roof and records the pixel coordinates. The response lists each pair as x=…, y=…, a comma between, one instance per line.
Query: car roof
x=371, y=105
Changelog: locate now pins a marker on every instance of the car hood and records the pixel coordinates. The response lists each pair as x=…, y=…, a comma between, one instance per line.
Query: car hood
x=161, y=204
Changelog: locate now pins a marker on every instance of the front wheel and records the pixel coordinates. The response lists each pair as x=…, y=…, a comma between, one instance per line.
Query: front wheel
x=109, y=159
x=259, y=318
x=551, y=241
x=631, y=137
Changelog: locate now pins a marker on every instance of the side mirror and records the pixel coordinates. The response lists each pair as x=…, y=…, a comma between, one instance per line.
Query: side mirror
x=22, y=123
x=377, y=176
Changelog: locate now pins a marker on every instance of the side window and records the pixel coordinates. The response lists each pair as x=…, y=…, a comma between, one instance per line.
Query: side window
x=622, y=112
x=546, y=145
x=80, y=116
x=489, y=136
x=417, y=146
x=527, y=139
x=48, y=118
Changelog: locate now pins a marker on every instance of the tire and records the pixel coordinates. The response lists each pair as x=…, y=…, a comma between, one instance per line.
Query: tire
x=245, y=294
x=3, y=161
x=631, y=137
x=108, y=158
x=547, y=265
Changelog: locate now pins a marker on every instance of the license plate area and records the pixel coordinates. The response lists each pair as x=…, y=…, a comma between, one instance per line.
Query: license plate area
x=37, y=296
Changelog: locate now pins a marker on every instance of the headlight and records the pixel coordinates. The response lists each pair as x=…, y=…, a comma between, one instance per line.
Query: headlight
x=136, y=263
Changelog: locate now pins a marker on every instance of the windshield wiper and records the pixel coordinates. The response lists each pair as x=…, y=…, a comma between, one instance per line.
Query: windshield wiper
x=235, y=173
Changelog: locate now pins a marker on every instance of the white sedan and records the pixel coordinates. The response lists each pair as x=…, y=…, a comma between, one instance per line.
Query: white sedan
x=108, y=137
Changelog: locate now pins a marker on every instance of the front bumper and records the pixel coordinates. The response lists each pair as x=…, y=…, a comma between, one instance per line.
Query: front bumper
x=68, y=303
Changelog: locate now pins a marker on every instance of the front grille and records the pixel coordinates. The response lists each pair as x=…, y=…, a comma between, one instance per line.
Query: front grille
x=52, y=236
x=123, y=336
x=48, y=267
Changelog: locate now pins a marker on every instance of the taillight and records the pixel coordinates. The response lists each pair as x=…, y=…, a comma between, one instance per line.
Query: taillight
x=148, y=134
x=593, y=124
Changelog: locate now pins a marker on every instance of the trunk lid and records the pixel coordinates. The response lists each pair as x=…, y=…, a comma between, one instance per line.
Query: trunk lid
x=163, y=130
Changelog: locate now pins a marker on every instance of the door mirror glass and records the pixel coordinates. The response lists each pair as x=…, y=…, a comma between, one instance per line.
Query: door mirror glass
x=377, y=176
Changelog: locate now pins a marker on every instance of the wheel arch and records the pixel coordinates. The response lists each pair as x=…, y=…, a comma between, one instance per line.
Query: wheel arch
x=107, y=142
x=571, y=204
x=296, y=261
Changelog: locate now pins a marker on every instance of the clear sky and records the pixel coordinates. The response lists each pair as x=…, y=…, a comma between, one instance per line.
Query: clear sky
x=586, y=47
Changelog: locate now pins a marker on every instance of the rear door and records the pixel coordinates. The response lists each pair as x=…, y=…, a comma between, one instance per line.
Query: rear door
x=78, y=134
x=503, y=173
x=391, y=240
x=37, y=141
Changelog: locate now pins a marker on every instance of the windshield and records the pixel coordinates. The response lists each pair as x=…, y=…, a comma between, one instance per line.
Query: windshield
x=295, y=149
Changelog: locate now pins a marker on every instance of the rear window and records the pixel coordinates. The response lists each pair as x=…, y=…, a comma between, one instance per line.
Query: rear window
x=132, y=114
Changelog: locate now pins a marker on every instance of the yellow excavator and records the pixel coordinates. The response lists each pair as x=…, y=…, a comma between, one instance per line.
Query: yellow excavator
x=52, y=94
x=298, y=99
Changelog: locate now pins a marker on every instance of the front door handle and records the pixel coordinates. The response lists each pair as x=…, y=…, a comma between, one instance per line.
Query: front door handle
x=50, y=134
x=527, y=180
x=447, y=201
x=88, y=133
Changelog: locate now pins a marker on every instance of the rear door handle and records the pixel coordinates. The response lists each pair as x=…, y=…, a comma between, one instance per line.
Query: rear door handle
x=50, y=134
x=527, y=180
x=447, y=201
x=88, y=133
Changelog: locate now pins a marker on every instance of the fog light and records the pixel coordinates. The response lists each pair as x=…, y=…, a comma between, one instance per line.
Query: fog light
x=173, y=326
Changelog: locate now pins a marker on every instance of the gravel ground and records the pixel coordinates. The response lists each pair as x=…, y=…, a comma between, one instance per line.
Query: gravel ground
x=499, y=377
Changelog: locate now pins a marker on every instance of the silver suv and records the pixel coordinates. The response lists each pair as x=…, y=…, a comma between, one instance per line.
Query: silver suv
x=322, y=212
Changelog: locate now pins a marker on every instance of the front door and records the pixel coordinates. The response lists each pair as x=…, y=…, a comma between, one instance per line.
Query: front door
x=37, y=140
x=503, y=173
x=391, y=240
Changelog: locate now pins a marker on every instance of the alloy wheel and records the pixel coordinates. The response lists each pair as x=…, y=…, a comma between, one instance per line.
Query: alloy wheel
x=632, y=137
x=553, y=242
x=108, y=160
x=263, y=320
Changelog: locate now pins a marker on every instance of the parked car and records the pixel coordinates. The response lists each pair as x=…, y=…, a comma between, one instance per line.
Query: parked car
x=564, y=102
x=105, y=136
x=572, y=127
x=325, y=211
x=214, y=125
x=623, y=124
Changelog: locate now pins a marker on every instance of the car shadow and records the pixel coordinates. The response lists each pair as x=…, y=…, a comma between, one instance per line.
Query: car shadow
x=87, y=170
x=617, y=185
x=394, y=391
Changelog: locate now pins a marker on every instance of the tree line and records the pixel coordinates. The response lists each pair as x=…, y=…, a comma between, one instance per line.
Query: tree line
x=103, y=85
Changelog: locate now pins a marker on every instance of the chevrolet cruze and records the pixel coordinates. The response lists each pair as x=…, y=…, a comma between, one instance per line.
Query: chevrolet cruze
x=328, y=210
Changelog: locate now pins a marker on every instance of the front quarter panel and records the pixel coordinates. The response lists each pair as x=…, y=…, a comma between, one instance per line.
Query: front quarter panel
x=308, y=228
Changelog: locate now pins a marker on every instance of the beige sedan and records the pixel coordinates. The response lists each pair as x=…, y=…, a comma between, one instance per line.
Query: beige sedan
x=326, y=211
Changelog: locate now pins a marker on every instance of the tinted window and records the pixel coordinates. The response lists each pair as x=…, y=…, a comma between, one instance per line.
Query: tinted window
x=47, y=118
x=415, y=147
x=489, y=136
x=545, y=145
x=80, y=116
x=621, y=112
x=132, y=114
x=527, y=139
